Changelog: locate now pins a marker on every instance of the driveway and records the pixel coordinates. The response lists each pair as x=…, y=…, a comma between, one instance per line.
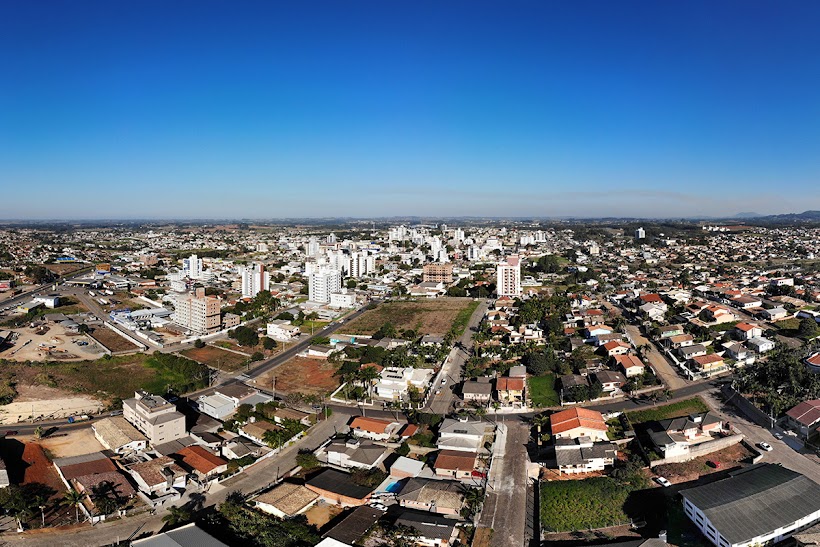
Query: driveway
x=668, y=375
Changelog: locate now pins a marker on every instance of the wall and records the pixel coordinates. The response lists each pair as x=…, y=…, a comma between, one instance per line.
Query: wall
x=700, y=450
x=745, y=406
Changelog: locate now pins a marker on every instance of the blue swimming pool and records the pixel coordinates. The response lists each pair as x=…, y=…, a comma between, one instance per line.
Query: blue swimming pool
x=393, y=487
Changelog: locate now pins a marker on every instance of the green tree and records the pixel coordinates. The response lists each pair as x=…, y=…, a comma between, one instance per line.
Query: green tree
x=177, y=515
x=268, y=343
x=198, y=343
x=307, y=461
x=808, y=328
x=72, y=498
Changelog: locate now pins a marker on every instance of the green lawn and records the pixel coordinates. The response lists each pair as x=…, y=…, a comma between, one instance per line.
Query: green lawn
x=663, y=412
x=579, y=505
x=463, y=317
x=542, y=391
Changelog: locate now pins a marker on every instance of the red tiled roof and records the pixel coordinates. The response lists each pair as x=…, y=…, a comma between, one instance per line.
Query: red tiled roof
x=196, y=457
x=373, y=425
x=455, y=459
x=629, y=360
x=707, y=359
x=576, y=417
x=510, y=384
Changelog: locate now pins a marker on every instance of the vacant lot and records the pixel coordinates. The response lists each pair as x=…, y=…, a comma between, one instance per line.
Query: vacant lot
x=112, y=340
x=542, y=391
x=664, y=412
x=587, y=504
x=47, y=403
x=73, y=443
x=217, y=358
x=302, y=375
x=423, y=316
x=689, y=471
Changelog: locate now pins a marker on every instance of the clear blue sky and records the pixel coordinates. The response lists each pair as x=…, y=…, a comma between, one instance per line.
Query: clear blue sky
x=204, y=109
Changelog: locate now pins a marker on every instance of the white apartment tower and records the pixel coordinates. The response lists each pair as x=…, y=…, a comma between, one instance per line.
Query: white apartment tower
x=323, y=283
x=360, y=264
x=640, y=233
x=254, y=279
x=312, y=248
x=509, y=277
x=192, y=267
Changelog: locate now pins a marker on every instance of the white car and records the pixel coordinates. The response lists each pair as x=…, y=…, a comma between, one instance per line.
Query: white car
x=765, y=446
x=778, y=436
x=663, y=482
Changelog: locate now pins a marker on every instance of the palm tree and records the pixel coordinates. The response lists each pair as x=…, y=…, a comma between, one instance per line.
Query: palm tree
x=72, y=498
x=367, y=375
x=176, y=515
x=539, y=421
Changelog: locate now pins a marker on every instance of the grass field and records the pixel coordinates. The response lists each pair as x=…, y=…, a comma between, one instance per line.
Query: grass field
x=586, y=504
x=435, y=316
x=542, y=391
x=216, y=358
x=664, y=412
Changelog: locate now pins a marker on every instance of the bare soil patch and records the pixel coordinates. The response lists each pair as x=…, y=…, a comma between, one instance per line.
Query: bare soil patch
x=112, y=340
x=72, y=443
x=434, y=316
x=217, y=358
x=736, y=455
x=302, y=375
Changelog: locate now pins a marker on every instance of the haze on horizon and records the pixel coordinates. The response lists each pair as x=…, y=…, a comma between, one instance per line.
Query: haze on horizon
x=211, y=109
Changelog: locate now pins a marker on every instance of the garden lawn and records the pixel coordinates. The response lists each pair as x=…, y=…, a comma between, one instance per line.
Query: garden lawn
x=542, y=391
x=664, y=412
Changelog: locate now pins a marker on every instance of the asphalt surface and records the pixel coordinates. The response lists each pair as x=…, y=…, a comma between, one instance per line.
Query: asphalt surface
x=668, y=374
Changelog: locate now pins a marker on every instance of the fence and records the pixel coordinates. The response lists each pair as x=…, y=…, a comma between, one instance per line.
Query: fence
x=746, y=407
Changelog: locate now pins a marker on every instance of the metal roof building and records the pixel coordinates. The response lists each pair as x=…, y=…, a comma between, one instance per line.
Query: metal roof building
x=756, y=505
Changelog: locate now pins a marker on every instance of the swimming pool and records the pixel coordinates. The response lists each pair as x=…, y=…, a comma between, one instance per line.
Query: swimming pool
x=393, y=487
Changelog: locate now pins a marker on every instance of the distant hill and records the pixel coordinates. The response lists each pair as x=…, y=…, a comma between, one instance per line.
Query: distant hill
x=805, y=216
x=748, y=215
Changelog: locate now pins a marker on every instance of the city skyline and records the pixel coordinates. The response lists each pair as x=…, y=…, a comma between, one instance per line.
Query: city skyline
x=197, y=110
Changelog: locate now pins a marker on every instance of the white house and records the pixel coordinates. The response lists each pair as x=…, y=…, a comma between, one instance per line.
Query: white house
x=394, y=383
x=759, y=344
x=283, y=330
x=461, y=435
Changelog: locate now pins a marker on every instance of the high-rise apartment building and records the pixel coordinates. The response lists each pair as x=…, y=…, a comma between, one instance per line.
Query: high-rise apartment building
x=323, y=283
x=197, y=312
x=509, y=277
x=192, y=267
x=254, y=279
x=438, y=273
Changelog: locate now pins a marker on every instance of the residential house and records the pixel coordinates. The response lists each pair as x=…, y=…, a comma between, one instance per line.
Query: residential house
x=286, y=500
x=455, y=464
x=708, y=364
x=578, y=422
x=746, y=331
x=375, y=429
x=282, y=330
x=610, y=380
x=582, y=455
x=669, y=331
x=226, y=399
x=477, y=391
x=679, y=341
x=354, y=453
x=462, y=435
x=690, y=352
x=738, y=351
x=774, y=314
x=745, y=302
x=758, y=505
x=119, y=436
x=436, y=496
x=804, y=418
x=158, y=477
x=189, y=535
x=430, y=529
x=760, y=344
x=338, y=488
x=404, y=468
x=611, y=349
x=394, y=383
x=511, y=391
x=675, y=436
x=813, y=362
x=630, y=365
x=255, y=431
x=199, y=460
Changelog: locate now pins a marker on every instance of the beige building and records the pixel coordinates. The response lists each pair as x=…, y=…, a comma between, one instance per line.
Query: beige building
x=509, y=277
x=438, y=273
x=155, y=417
x=197, y=312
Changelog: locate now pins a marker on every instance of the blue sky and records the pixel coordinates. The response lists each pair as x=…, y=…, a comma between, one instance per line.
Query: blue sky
x=205, y=109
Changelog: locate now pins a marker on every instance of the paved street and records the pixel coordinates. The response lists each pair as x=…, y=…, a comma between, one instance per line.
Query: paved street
x=505, y=505
x=667, y=373
x=454, y=365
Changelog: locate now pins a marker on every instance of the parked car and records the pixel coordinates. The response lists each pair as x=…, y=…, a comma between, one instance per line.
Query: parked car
x=765, y=446
x=778, y=436
x=713, y=464
x=663, y=482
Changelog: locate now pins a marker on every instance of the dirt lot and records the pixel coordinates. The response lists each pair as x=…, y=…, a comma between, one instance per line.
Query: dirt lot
x=53, y=344
x=112, y=340
x=322, y=513
x=733, y=456
x=423, y=316
x=217, y=358
x=65, y=267
x=302, y=375
x=50, y=403
x=72, y=443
